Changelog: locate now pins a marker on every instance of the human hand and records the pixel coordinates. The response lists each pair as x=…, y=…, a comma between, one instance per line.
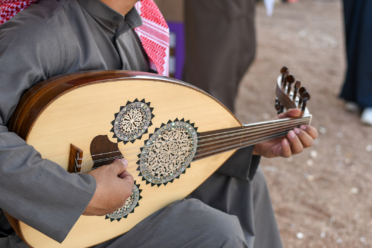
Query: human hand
x=114, y=186
x=297, y=139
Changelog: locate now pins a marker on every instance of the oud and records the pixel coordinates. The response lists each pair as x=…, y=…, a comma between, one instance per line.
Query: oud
x=173, y=134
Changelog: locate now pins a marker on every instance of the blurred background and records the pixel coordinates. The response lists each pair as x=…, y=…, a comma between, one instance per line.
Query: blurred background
x=322, y=197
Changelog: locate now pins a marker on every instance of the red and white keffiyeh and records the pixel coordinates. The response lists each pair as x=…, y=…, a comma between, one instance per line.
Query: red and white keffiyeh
x=154, y=33
x=8, y=8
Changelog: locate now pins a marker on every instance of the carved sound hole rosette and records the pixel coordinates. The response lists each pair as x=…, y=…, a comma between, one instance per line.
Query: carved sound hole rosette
x=130, y=204
x=168, y=152
x=132, y=121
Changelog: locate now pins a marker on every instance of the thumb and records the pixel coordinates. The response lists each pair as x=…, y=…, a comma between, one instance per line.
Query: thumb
x=289, y=113
x=119, y=166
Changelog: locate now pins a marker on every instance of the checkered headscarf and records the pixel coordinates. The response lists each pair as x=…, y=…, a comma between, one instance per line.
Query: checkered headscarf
x=8, y=8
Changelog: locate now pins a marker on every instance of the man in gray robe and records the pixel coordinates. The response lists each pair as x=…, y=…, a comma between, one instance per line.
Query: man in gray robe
x=58, y=37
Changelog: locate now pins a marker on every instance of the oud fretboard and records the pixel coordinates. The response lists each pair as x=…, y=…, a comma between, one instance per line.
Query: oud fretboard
x=219, y=141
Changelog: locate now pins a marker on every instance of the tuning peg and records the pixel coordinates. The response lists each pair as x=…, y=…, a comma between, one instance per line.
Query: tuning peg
x=278, y=106
x=283, y=71
x=305, y=97
x=295, y=89
x=290, y=80
x=284, y=84
x=300, y=91
x=287, y=79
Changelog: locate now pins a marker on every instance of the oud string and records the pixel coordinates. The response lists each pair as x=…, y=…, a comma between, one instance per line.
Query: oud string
x=237, y=133
x=210, y=153
x=205, y=144
x=236, y=138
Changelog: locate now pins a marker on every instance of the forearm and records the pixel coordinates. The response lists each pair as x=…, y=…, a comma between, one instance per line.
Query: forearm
x=34, y=190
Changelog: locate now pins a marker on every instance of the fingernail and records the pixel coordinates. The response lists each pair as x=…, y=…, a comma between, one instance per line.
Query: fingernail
x=124, y=161
x=303, y=127
x=297, y=130
x=285, y=142
x=291, y=134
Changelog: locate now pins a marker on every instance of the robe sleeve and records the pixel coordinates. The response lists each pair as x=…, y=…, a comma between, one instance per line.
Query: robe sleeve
x=36, y=191
x=242, y=164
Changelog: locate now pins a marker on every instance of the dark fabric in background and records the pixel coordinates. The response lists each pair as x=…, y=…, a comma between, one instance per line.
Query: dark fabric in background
x=358, y=35
x=220, y=45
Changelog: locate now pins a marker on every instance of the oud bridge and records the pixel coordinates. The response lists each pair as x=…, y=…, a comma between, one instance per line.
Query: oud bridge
x=75, y=159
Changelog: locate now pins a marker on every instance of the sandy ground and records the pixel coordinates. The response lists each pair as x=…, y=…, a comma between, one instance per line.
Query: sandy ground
x=322, y=197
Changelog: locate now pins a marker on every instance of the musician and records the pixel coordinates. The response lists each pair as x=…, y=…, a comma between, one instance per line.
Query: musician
x=57, y=37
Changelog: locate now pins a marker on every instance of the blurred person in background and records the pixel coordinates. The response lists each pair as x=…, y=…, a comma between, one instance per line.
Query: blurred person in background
x=220, y=47
x=357, y=88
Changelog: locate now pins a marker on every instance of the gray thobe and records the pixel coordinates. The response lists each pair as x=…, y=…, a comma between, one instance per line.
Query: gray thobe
x=57, y=37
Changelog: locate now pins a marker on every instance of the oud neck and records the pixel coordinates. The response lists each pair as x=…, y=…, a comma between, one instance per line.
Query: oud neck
x=220, y=141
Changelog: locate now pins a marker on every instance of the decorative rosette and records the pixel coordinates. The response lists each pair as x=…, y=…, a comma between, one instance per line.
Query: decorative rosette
x=168, y=152
x=132, y=121
x=130, y=204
